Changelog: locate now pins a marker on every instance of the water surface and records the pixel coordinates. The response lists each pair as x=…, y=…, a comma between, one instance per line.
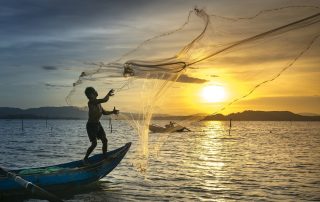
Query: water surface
x=258, y=161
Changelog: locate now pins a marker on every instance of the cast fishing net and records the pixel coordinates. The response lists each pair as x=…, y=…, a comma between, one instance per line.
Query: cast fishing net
x=242, y=54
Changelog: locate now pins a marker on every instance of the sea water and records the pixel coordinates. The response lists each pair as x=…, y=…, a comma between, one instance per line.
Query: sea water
x=258, y=161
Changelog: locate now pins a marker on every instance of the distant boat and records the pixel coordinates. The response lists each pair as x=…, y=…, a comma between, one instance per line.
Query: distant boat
x=159, y=129
x=65, y=176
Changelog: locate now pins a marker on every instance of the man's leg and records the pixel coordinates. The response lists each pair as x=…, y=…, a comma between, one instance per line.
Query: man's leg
x=91, y=148
x=102, y=136
x=104, y=141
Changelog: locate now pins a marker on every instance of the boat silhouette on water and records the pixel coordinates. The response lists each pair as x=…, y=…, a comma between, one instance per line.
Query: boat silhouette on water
x=170, y=128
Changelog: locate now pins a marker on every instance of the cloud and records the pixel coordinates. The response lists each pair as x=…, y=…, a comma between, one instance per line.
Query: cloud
x=315, y=98
x=56, y=85
x=49, y=67
x=187, y=79
x=213, y=76
x=182, y=79
x=62, y=32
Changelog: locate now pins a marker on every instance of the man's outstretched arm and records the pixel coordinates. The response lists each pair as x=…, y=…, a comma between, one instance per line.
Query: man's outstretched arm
x=105, y=99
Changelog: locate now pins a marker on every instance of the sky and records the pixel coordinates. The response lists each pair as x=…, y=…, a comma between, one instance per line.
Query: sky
x=45, y=45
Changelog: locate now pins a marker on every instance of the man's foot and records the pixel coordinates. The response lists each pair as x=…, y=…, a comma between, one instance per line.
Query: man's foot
x=85, y=162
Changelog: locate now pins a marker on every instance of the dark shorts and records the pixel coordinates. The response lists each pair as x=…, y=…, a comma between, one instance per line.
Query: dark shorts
x=95, y=131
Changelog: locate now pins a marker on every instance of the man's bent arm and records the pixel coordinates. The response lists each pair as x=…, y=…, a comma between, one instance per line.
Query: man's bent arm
x=107, y=112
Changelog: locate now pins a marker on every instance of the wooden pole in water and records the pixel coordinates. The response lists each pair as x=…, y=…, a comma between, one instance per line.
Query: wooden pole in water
x=110, y=124
x=230, y=125
x=22, y=128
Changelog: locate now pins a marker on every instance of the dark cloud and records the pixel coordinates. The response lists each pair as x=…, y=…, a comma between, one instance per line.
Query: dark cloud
x=49, y=67
x=56, y=85
x=37, y=32
x=187, y=79
x=182, y=79
x=54, y=16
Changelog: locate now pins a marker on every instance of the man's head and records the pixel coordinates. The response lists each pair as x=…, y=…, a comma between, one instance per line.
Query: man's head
x=91, y=93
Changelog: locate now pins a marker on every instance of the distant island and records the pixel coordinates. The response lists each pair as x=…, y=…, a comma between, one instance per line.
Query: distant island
x=250, y=115
x=66, y=112
x=69, y=112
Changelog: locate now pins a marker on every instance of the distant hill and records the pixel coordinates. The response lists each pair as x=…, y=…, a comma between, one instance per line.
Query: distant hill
x=82, y=113
x=176, y=117
x=43, y=113
x=263, y=116
x=308, y=114
x=69, y=112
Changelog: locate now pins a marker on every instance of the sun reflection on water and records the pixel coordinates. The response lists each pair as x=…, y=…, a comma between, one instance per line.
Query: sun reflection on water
x=212, y=150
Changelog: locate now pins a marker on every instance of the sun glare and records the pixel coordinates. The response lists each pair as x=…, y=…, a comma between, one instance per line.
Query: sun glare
x=213, y=93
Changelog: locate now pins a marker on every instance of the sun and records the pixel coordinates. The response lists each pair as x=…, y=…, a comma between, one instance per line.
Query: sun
x=213, y=93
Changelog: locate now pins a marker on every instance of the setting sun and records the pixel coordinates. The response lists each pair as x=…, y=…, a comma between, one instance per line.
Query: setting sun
x=213, y=93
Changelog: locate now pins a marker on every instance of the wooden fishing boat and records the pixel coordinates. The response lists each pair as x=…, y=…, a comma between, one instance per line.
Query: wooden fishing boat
x=63, y=176
x=159, y=129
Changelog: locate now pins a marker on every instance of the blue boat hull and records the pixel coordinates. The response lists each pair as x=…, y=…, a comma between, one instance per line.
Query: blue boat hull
x=61, y=176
